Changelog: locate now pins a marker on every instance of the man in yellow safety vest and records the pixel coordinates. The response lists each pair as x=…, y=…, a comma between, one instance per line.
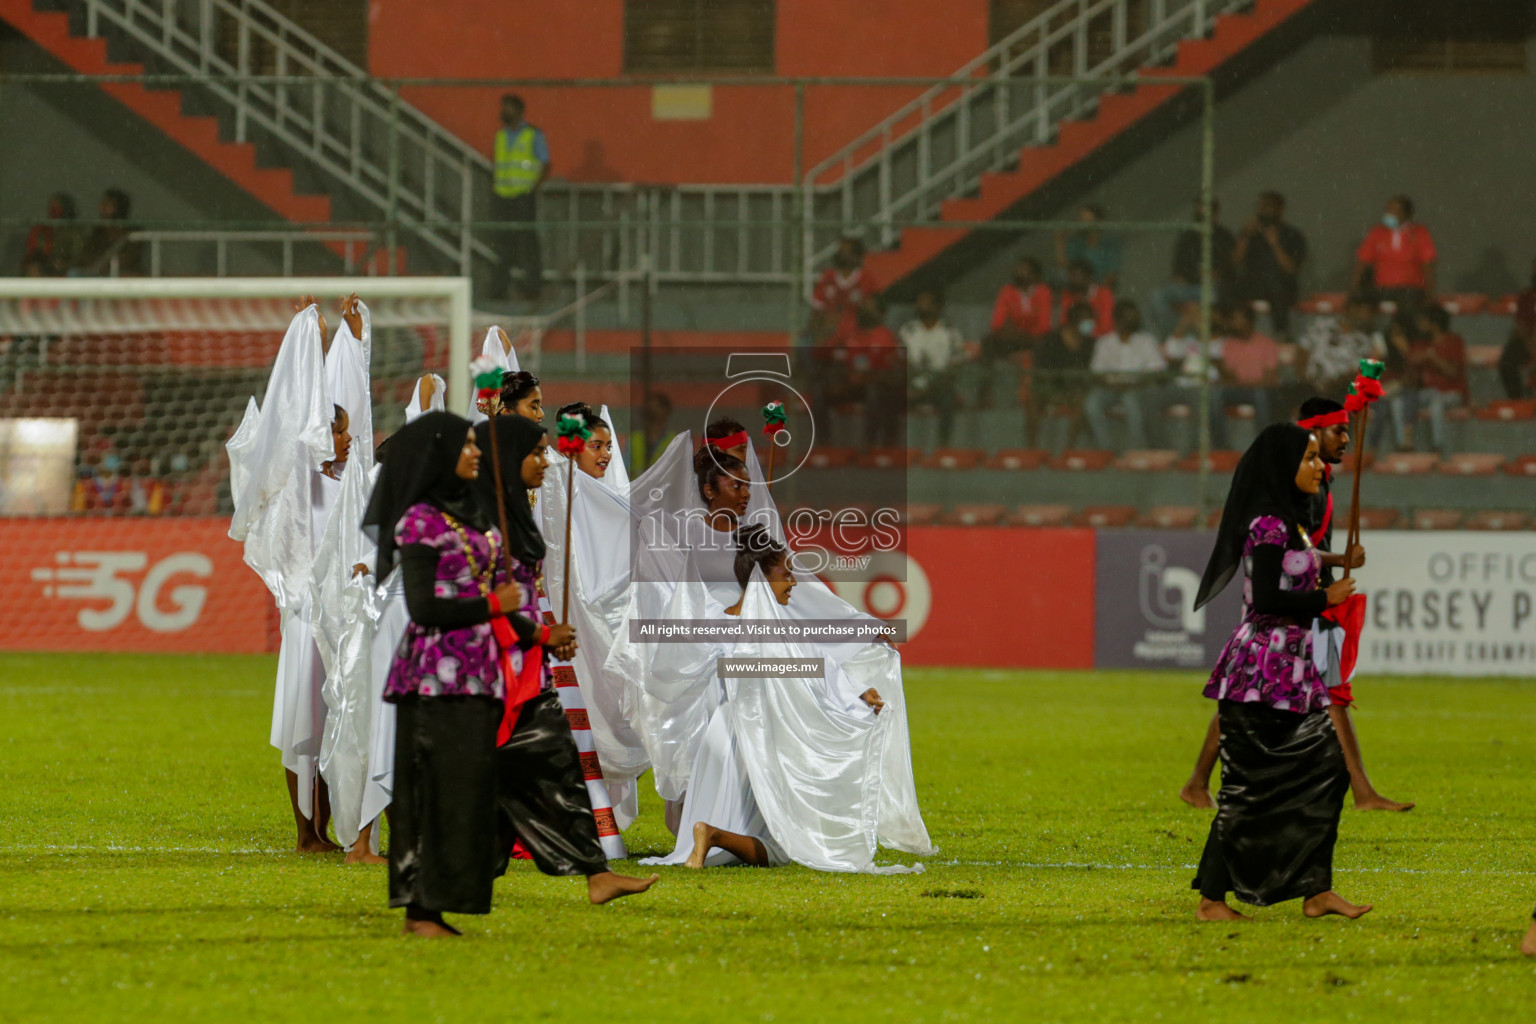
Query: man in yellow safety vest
x=522, y=163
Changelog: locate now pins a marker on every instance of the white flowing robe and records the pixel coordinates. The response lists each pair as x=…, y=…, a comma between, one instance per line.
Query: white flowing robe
x=803, y=765
x=281, y=505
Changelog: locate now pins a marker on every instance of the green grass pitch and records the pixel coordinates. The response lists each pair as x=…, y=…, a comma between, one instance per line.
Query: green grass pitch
x=143, y=825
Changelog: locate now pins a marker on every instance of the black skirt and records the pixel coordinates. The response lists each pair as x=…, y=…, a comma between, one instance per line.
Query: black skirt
x=1283, y=781
x=442, y=840
x=542, y=793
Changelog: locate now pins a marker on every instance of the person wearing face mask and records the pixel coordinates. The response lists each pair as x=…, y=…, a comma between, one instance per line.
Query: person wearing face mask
x=1061, y=374
x=1517, y=361
x=1268, y=258
x=839, y=290
x=1185, y=351
x=935, y=350
x=872, y=370
x=1284, y=774
x=1397, y=258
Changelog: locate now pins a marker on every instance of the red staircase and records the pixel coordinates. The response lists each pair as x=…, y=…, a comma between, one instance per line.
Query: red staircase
x=199, y=135
x=1076, y=140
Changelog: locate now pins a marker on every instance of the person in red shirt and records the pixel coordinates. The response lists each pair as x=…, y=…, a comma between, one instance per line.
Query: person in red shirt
x=1399, y=254
x=1517, y=361
x=872, y=371
x=1080, y=287
x=839, y=290
x=1021, y=316
x=1438, y=359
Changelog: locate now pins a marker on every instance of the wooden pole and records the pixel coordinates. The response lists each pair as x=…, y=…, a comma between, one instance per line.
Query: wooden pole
x=565, y=579
x=772, y=445
x=1352, y=536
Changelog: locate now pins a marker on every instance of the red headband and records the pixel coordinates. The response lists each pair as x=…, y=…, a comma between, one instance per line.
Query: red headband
x=728, y=441
x=1339, y=418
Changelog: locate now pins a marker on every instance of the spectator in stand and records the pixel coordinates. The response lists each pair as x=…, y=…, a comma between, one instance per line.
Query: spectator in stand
x=521, y=165
x=839, y=290
x=54, y=246
x=103, y=490
x=1061, y=374
x=1398, y=255
x=1125, y=366
x=1267, y=258
x=934, y=353
x=1517, y=362
x=1169, y=301
x=1400, y=377
x=1080, y=287
x=1185, y=353
x=1022, y=313
x=1438, y=358
x=111, y=239
x=1329, y=352
x=1100, y=251
x=872, y=371
x=1250, y=365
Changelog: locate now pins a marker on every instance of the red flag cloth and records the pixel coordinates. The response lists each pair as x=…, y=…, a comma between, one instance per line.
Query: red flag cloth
x=1351, y=616
x=521, y=687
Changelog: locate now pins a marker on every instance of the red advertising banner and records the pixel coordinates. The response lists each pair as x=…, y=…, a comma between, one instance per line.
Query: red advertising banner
x=1001, y=598
x=155, y=584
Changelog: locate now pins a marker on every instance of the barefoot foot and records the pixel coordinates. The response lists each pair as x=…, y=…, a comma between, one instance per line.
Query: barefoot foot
x=360, y=854
x=1528, y=947
x=430, y=929
x=1196, y=795
x=609, y=886
x=1330, y=902
x=1377, y=802
x=1217, y=910
x=311, y=843
x=703, y=842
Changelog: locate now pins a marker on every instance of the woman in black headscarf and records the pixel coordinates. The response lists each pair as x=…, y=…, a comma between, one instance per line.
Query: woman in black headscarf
x=542, y=791
x=446, y=680
x=1283, y=777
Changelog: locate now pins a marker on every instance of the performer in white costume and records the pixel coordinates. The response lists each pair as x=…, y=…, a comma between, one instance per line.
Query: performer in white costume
x=815, y=771
x=344, y=601
x=496, y=347
x=286, y=459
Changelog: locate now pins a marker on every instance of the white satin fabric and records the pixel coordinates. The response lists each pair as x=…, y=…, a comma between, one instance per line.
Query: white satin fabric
x=493, y=350
x=437, y=403
x=344, y=607
x=804, y=765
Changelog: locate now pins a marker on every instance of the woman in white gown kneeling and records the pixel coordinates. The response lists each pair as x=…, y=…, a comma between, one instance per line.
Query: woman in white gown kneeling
x=811, y=770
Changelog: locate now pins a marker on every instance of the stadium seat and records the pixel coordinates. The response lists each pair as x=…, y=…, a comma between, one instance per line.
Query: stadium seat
x=1523, y=465
x=1039, y=515
x=1170, y=517
x=1436, y=519
x=1241, y=412
x=1503, y=305
x=1221, y=460
x=1483, y=356
x=1507, y=411
x=1018, y=458
x=888, y=458
x=831, y=457
x=1083, y=459
x=953, y=458
x=1492, y=519
x=1471, y=464
x=1213, y=518
x=979, y=514
x=1107, y=516
x=1323, y=303
x=1379, y=518
x=1146, y=461
x=1347, y=467
x=1406, y=463
x=1463, y=305
x=923, y=514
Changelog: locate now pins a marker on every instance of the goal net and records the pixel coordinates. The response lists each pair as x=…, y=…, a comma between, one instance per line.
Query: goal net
x=116, y=399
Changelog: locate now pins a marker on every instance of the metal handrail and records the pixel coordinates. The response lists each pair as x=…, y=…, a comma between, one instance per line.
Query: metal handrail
x=351, y=241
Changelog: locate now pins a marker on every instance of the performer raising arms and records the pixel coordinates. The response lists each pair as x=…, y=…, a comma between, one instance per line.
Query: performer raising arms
x=542, y=792
x=446, y=680
x=1283, y=775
